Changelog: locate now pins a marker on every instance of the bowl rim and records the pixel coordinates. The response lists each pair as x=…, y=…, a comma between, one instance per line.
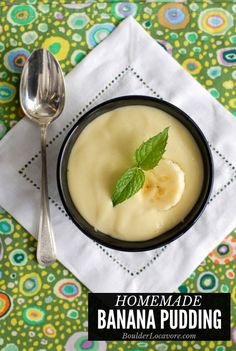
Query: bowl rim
x=150, y=244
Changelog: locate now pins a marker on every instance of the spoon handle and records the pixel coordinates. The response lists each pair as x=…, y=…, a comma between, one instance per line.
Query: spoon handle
x=46, y=250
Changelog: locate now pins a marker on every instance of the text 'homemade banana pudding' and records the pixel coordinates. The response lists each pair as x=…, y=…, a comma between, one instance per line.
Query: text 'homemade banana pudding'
x=135, y=172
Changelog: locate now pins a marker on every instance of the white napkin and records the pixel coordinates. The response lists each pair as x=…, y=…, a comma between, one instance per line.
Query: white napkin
x=129, y=61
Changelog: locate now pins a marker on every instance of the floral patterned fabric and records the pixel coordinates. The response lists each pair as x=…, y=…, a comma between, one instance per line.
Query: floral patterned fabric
x=46, y=308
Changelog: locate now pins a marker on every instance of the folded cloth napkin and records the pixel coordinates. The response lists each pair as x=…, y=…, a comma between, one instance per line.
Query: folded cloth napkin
x=129, y=61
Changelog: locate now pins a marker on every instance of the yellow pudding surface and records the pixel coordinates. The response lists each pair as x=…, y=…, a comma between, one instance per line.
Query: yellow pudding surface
x=104, y=151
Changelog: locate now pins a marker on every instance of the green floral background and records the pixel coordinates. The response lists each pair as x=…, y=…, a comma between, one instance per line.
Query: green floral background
x=46, y=309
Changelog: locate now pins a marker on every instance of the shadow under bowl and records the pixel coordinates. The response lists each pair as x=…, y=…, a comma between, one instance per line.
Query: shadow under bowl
x=170, y=235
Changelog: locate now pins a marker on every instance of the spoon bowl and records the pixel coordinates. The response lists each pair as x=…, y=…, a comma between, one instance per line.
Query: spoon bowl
x=42, y=89
x=42, y=98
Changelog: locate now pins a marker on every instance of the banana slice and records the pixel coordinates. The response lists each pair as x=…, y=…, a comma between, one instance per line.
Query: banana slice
x=164, y=185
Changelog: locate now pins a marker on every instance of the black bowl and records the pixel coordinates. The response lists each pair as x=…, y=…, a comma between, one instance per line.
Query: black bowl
x=166, y=237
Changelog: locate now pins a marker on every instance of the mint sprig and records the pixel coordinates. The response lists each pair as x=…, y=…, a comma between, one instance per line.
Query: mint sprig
x=129, y=184
x=146, y=157
x=149, y=154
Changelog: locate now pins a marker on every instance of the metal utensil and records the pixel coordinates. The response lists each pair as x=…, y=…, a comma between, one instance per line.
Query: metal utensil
x=42, y=98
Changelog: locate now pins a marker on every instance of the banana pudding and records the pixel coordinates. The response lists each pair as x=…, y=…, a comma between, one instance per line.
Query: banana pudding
x=105, y=149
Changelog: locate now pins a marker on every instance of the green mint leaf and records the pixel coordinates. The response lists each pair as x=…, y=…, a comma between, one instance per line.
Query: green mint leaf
x=129, y=184
x=148, y=155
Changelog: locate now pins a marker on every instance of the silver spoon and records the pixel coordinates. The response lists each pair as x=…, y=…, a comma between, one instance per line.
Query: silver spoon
x=42, y=98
